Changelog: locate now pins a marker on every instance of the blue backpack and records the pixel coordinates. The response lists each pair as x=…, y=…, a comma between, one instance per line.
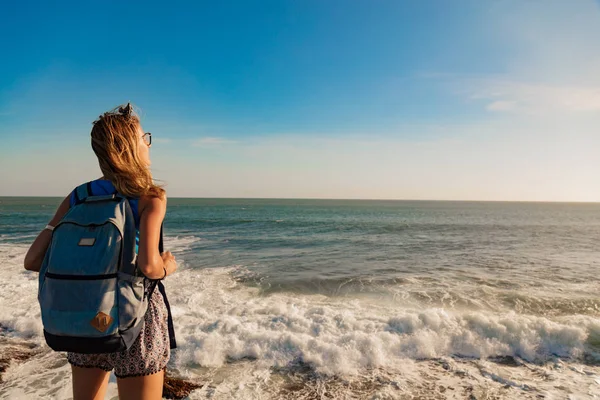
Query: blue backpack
x=92, y=296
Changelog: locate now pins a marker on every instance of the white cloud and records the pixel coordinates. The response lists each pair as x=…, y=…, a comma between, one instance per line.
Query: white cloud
x=501, y=159
x=501, y=105
x=535, y=98
x=494, y=161
x=212, y=142
x=553, y=64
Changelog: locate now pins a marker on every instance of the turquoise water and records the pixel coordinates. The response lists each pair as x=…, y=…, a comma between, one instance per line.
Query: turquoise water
x=348, y=247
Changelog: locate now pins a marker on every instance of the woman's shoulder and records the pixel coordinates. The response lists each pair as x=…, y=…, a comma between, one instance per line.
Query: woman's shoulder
x=149, y=203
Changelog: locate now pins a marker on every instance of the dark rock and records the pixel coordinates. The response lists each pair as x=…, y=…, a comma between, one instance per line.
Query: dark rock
x=14, y=353
x=509, y=361
x=175, y=388
x=13, y=350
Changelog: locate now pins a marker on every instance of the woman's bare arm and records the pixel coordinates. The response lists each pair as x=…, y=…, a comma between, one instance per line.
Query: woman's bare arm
x=37, y=251
x=153, y=264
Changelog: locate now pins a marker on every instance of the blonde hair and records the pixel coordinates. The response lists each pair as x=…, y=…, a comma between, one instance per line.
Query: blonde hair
x=115, y=141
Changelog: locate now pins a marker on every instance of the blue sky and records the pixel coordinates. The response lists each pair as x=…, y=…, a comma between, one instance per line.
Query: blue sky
x=491, y=100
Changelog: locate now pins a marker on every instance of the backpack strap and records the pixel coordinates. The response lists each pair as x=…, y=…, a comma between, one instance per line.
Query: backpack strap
x=82, y=192
x=171, y=327
x=161, y=247
x=129, y=231
x=153, y=284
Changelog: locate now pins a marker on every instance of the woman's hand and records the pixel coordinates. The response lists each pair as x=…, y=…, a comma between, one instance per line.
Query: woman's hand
x=169, y=262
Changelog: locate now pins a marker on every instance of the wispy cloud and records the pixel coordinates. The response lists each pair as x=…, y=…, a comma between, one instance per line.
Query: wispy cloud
x=212, y=142
x=496, y=160
x=553, y=62
x=535, y=98
x=501, y=105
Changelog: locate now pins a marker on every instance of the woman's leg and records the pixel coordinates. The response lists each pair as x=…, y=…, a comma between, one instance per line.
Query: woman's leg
x=149, y=387
x=89, y=383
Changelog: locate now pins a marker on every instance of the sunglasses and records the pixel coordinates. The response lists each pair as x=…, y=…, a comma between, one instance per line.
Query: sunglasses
x=147, y=138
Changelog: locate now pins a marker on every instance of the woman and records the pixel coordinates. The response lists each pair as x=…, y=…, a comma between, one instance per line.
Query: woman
x=123, y=153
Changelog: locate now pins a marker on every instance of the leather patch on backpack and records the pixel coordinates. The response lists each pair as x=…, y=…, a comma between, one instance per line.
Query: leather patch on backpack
x=101, y=321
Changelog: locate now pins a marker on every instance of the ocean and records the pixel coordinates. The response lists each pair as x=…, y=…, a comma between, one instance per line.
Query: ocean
x=352, y=299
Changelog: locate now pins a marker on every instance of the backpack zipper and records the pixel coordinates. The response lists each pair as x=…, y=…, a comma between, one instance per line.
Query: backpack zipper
x=80, y=277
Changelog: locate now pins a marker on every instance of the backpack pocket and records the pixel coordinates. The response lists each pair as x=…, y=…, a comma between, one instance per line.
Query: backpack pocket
x=78, y=249
x=79, y=306
x=132, y=300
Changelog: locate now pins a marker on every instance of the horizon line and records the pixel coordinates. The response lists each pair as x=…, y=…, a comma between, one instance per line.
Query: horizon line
x=353, y=199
